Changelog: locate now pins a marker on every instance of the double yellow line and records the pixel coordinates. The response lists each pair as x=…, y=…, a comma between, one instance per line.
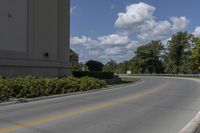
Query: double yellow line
x=84, y=109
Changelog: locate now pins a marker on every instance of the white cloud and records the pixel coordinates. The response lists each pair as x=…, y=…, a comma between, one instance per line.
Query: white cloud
x=197, y=32
x=166, y=41
x=114, y=40
x=113, y=46
x=115, y=51
x=160, y=30
x=79, y=40
x=133, y=45
x=139, y=18
x=102, y=41
x=83, y=40
x=179, y=23
x=135, y=15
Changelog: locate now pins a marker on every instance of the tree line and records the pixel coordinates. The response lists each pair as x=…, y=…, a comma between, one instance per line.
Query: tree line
x=181, y=55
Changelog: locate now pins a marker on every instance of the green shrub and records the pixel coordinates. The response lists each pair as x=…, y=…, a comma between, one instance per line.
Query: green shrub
x=30, y=87
x=5, y=90
x=94, y=74
x=27, y=87
x=87, y=83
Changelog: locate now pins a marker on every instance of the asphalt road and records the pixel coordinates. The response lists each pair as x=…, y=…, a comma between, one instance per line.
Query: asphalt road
x=156, y=105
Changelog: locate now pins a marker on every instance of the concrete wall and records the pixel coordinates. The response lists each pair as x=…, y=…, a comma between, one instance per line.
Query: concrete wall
x=35, y=37
x=13, y=25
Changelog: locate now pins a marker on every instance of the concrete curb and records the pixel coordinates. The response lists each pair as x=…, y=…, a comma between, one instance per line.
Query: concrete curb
x=193, y=126
x=19, y=101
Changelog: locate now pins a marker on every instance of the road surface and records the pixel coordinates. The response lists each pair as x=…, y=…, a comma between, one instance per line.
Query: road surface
x=155, y=105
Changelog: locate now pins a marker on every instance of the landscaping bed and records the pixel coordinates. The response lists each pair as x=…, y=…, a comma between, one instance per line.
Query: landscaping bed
x=31, y=87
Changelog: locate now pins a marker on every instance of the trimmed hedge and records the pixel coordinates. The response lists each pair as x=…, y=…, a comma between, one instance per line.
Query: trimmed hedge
x=31, y=87
x=94, y=74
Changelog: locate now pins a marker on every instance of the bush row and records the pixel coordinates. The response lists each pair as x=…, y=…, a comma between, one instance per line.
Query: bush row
x=30, y=87
x=94, y=74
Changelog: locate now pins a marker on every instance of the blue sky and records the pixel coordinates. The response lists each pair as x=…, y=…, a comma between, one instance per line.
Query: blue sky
x=113, y=29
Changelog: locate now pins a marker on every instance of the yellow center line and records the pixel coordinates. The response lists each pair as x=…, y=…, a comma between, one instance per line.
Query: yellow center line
x=83, y=110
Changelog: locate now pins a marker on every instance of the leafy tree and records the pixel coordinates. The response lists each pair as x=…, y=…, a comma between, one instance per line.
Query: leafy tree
x=110, y=66
x=83, y=67
x=148, y=58
x=179, y=53
x=94, y=65
x=195, y=55
x=181, y=56
x=123, y=67
x=74, y=59
x=135, y=66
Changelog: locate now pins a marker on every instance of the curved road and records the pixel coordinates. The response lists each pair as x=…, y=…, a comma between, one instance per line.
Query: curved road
x=155, y=105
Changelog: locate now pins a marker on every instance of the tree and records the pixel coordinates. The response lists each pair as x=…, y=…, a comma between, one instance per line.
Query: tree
x=74, y=59
x=83, y=67
x=123, y=67
x=195, y=56
x=110, y=66
x=94, y=65
x=179, y=53
x=148, y=58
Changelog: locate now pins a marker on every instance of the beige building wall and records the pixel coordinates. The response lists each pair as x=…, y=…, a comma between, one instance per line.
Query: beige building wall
x=34, y=37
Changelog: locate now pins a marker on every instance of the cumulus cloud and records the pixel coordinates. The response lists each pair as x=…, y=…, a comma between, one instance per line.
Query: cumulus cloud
x=114, y=51
x=83, y=40
x=160, y=31
x=113, y=46
x=114, y=40
x=136, y=14
x=111, y=40
x=80, y=40
x=140, y=18
x=197, y=32
x=179, y=23
x=166, y=41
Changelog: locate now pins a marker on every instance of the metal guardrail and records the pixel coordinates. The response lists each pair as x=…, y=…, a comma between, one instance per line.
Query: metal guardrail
x=166, y=75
